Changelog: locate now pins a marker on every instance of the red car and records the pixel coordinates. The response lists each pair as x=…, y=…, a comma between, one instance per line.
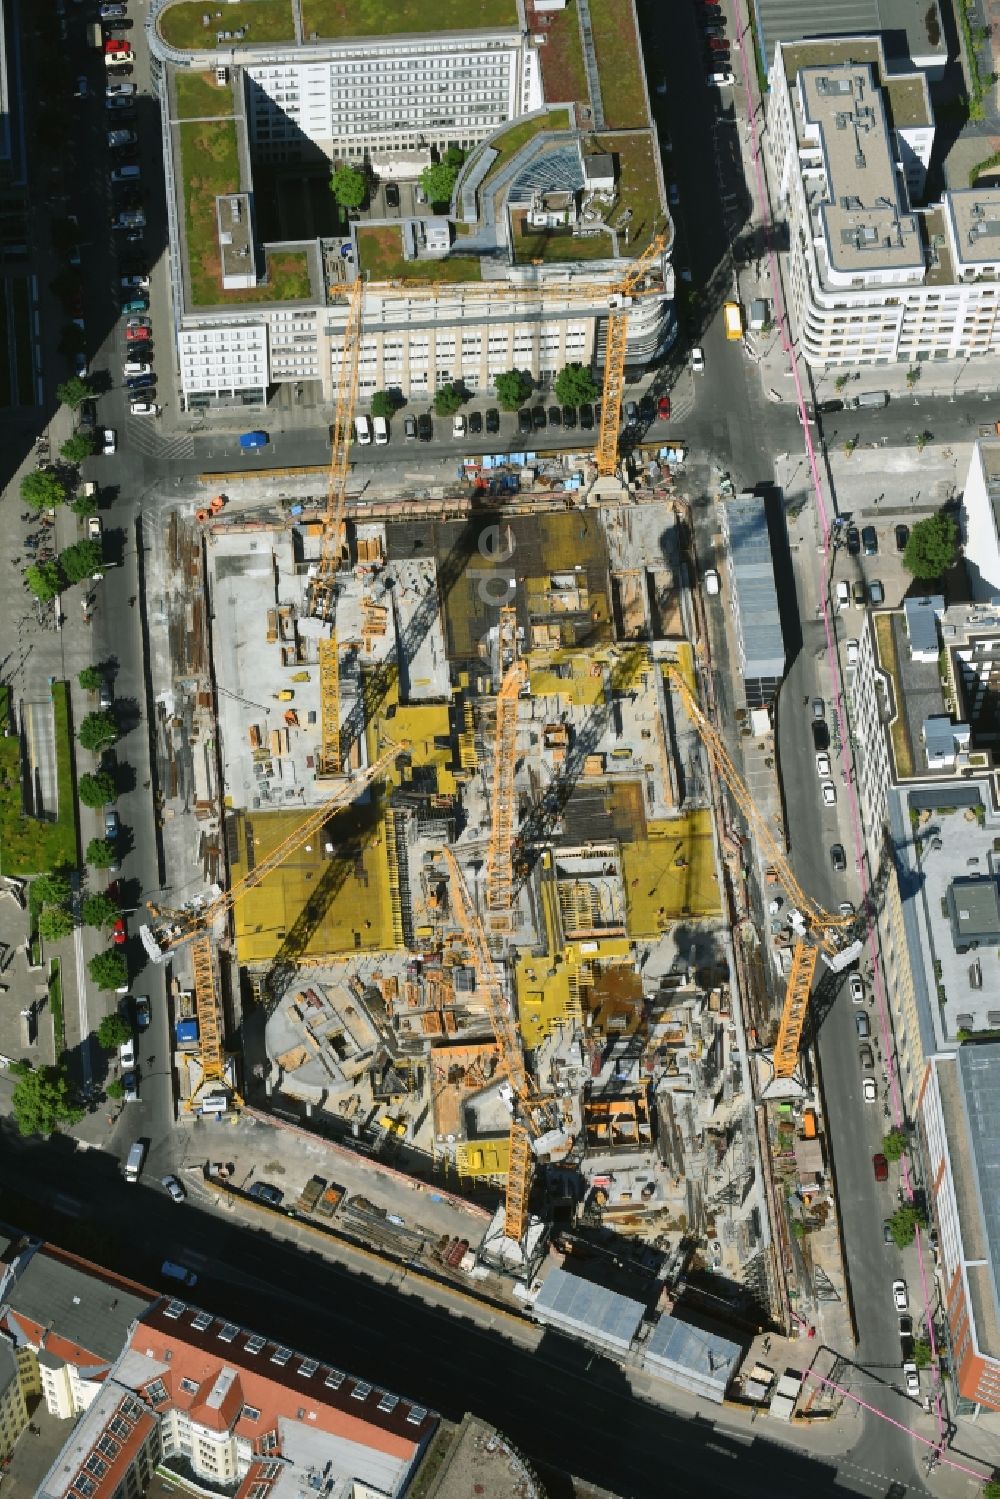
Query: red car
x=137, y=335
x=663, y=408
x=119, y=935
x=881, y=1167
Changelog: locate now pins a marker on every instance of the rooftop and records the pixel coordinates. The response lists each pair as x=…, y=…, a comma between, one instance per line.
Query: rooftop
x=350, y=18
x=979, y=1071
x=78, y=1312
x=867, y=223
x=588, y=1310
x=100, y=1447
x=690, y=1356
x=752, y=567
x=973, y=218
x=911, y=28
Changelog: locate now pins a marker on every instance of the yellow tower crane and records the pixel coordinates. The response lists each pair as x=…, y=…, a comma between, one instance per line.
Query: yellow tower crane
x=174, y=929
x=825, y=929
x=322, y=585
x=533, y=1116
x=500, y=853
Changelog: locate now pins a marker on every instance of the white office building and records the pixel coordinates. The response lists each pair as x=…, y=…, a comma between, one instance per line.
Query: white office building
x=872, y=277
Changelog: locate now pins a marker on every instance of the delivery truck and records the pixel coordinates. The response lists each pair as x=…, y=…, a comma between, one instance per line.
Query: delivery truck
x=732, y=314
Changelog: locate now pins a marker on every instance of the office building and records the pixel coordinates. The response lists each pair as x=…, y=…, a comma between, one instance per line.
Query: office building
x=874, y=275
x=981, y=521
x=518, y=271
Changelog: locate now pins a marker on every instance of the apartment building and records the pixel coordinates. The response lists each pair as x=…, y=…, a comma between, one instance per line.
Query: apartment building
x=111, y=1453
x=874, y=275
x=241, y=1410
x=13, y=1407
x=491, y=284
x=68, y=1321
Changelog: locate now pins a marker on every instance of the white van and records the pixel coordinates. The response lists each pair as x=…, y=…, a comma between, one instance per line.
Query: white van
x=133, y=1166
x=381, y=430
x=362, y=430
x=126, y=174
x=843, y=595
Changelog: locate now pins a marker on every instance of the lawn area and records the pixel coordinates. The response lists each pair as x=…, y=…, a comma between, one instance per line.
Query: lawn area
x=637, y=187
x=380, y=253
x=29, y=845
x=210, y=167
x=902, y=749
x=199, y=95
x=337, y=18
x=554, y=245
x=181, y=25
x=517, y=136
x=563, y=73
x=618, y=64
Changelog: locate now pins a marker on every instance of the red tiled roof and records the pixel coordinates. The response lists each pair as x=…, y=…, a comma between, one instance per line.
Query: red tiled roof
x=113, y=1453
x=270, y=1379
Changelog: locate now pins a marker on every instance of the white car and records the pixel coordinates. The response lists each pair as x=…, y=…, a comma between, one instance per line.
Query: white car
x=852, y=653
x=126, y=1055
x=843, y=595
x=829, y=791
x=719, y=80
x=94, y=527
x=869, y=1092
x=711, y=581
x=133, y=367
x=823, y=766
x=143, y=408
x=174, y=1187
x=899, y=1295
x=857, y=989
x=912, y=1379
x=698, y=360
x=110, y=439
x=458, y=425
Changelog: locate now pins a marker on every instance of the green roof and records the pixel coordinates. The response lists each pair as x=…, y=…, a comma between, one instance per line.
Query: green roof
x=333, y=19
x=182, y=25
x=380, y=253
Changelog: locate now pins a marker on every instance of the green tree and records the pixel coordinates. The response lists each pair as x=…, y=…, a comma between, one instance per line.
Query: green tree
x=45, y=580
x=922, y=1357
x=513, y=389
x=101, y=853
x=575, y=385
x=78, y=447
x=903, y=1225
x=348, y=186
x=96, y=789
x=98, y=909
x=52, y=889
x=840, y=382
x=932, y=547
x=383, y=403
x=108, y=969
x=74, y=391
x=447, y=400
x=55, y=922
x=115, y=1088
x=438, y=182
x=453, y=157
x=922, y=439
x=83, y=504
x=113, y=1031
x=90, y=678
x=42, y=1099
x=895, y=1143
x=97, y=730
x=912, y=376
x=42, y=490
x=81, y=560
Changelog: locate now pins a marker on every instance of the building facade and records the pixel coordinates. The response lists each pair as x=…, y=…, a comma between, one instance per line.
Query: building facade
x=872, y=278
x=111, y=1453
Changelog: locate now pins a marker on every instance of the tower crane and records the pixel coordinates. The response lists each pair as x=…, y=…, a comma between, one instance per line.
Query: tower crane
x=534, y=1119
x=500, y=853
x=175, y=929
x=822, y=930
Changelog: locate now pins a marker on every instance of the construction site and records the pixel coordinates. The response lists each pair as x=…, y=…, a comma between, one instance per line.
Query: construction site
x=468, y=862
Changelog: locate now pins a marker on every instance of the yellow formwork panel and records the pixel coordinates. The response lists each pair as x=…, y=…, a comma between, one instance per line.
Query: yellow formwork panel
x=670, y=874
x=544, y=989
x=483, y=1157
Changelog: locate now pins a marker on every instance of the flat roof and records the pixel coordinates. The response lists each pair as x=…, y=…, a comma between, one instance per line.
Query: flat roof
x=752, y=567
x=588, y=1310
x=979, y=1070
x=867, y=223
x=974, y=215
x=698, y=1360
x=922, y=622
x=88, y=1310
x=902, y=23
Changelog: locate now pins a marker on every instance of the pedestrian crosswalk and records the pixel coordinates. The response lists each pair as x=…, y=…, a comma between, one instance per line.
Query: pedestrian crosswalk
x=144, y=436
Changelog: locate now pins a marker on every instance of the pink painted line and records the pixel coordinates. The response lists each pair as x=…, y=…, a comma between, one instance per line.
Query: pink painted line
x=764, y=213
x=935, y=1447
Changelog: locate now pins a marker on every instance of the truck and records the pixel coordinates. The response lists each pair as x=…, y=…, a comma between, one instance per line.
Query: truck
x=133, y=1165
x=311, y=1193
x=330, y=1200
x=868, y=398
x=732, y=314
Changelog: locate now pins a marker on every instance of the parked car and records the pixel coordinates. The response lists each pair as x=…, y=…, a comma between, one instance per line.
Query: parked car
x=119, y=139
x=142, y=1012
x=86, y=418
x=458, y=425
x=866, y=1058
x=409, y=428
x=130, y=1087
x=698, y=360
x=524, y=420
x=876, y=592
x=112, y=826
x=538, y=418
x=138, y=335
x=109, y=441
x=492, y=419
x=843, y=593
x=663, y=408
x=823, y=766
x=857, y=988
x=863, y=1026
x=174, y=1187
x=711, y=581
x=880, y=1166
x=119, y=932
x=902, y=534
x=899, y=1295
x=852, y=653
x=838, y=858
x=587, y=417
x=475, y=423
x=391, y=195
x=853, y=540
x=912, y=1379
x=135, y=304
x=126, y=1054
x=140, y=382
x=555, y=416
x=569, y=417
x=425, y=427
x=143, y=408
x=818, y=708
x=94, y=528
x=888, y=1239
x=858, y=592
x=869, y=540
x=267, y=1192
x=829, y=793
x=133, y=367
x=869, y=1092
